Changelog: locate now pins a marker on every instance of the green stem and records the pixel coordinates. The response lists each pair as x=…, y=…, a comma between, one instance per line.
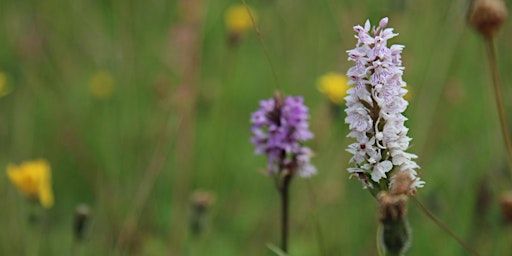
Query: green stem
x=393, y=237
x=33, y=242
x=284, y=212
x=493, y=63
x=260, y=39
x=318, y=227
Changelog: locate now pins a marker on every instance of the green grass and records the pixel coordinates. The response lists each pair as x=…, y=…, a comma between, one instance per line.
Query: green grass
x=101, y=151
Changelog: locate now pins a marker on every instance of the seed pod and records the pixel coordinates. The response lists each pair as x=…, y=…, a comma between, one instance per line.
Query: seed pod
x=81, y=221
x=487, y=16
x=506, y=206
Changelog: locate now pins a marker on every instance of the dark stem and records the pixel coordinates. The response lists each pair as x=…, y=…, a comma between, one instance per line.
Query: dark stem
x=284, y=212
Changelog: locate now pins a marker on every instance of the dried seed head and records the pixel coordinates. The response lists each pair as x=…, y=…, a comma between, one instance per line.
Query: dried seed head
x=202, y=200
x=487, y=16
x=506, y=206
x=81, y=221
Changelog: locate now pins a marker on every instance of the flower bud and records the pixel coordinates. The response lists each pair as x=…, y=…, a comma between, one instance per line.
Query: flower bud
x=81, y=221
x=506, y=206
x=201, y=202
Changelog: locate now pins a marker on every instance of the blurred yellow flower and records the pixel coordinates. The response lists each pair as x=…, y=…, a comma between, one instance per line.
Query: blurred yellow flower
x=4, y=89
x=410, y=93
x=33, y=179
x=334, y=86
x=237, y=19
x=101, y=85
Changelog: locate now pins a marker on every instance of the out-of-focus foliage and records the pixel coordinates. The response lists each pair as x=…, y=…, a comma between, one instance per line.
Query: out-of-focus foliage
x=177, y=121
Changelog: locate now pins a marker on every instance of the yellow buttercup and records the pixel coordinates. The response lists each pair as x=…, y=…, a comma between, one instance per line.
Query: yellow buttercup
x=101, y=85
x=334, y=86
x=237, y=19
x=4, y=89
x=33, y=179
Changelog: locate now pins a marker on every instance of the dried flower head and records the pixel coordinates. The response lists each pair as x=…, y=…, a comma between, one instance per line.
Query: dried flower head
x=81, y=221
x=392, y=207
x=334, y=86
x=401, y=184
x=201, y=201
x=487, y=16
x=374, y=110
x=506, y=206
x=33, y=179
x=278, y=129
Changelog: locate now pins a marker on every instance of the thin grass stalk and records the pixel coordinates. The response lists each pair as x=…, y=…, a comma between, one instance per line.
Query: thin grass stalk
x=493, y=64
x=260, y=39
x=147, y=183
x=191, y=62
x=445, y=228
x=318, y=227
x=284, y=187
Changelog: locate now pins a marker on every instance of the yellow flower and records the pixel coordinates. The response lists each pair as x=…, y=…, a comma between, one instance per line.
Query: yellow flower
x=334, y=86
x=237, y=19
x=101, y=85
x=33, y=179
x=4, y=89
x=410, y=93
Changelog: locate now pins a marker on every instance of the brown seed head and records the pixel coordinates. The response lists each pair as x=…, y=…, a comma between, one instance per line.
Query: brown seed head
x=82, y=217
x=487, y=16
x=202, y=199
x=506, y=206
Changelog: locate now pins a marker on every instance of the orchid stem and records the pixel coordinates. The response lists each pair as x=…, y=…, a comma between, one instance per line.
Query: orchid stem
x=284, y=212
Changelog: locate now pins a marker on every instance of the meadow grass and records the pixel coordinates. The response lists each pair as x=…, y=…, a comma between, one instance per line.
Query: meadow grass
x=101, y=151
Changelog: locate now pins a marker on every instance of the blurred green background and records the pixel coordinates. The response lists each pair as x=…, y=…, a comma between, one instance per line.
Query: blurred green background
x=174, y=120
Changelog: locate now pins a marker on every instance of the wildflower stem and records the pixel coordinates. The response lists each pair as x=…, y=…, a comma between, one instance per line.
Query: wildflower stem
x=284, y=212
x=491, y=53
x=431, y=216
x=394, y=237
x=260, y=38
x=317, y=219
